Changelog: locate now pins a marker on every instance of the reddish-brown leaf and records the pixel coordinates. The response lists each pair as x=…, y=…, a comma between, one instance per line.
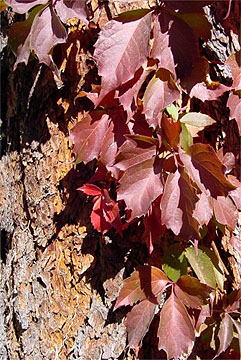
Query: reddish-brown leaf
x=109, y=147
x=187, y=203
x=235, y=194
x=204, y=93
x=225, y=333
x=145, y=282
x=203, y=211
x=138, y=322
x=67, y=9
x=203, y=315
x=153, y=227
x=191, y=292
x=120, y=50
x=171, y=215
x=171, y=130
x=105, y=214
x=90, y=189
x=237, y=325
x=88, y=138
x=234, y=104
x=225, y=211
x=160, y=93
x=135, y=150
x=139, y=187
x=206, y=170
x=128, y=92
x=175, y=332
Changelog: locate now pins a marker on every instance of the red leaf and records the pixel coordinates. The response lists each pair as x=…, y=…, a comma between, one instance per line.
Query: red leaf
x=234, y=63
x=235, y=194
x=109, y=148
x=191, y=292
x=204, y=313
x=171, y=131
x=105, y=214
x=206, y=170
x=161, y=49
x=46, y=32
x=175, y=332
x=202, y=92
x=187, y=204
x=153, y=227
x=67, y=9
x=120, y=50
x=203, y=209
x=134, y=151
x=90, y=189
x=128, y=92
x=234, y=105
x=87, y=137
x=145, y=282
x=139, y=187
x=160, y=93
x=138, y=322
x=225, y=211
x=171, y=215
x=225, y=333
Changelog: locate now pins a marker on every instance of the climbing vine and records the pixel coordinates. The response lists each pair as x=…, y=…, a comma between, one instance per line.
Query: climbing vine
x=155, y=168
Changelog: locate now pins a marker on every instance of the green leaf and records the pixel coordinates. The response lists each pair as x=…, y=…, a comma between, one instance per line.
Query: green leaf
x=132, y=15
x=217, y=267
x=172, y=110
x=174, y=262
x=186, y=139
x=202, y=266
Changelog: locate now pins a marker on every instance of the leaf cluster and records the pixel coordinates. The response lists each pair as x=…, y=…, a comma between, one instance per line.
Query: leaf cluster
x=153, y=163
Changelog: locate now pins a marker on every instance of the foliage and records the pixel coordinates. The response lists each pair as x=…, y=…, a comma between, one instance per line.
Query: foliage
x=152, y=165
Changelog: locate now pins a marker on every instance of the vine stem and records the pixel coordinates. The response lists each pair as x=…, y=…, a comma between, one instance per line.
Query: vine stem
x=215, y=249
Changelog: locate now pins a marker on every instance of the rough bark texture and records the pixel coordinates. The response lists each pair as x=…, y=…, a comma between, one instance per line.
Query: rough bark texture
x=58, y=279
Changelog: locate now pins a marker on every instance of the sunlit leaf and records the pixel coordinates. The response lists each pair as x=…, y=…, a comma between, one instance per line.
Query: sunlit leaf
x=202, y=266
x=175, y=332
x=191, y=292
x=145, y=282
x=87, y=137
x=120, y=50
x=138, y=321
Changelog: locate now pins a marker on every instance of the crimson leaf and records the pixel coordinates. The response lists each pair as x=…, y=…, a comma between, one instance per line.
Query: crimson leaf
x=160, y=93
x=138, y=321
x=206, y=170
x=87, y=137
x=145, y=282
x=120, y=50
x=225, y=333
x=139, y=187
x=175, y=332
x=191, y=292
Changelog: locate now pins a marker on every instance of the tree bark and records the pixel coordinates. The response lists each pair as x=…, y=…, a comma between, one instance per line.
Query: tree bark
x=59, y=280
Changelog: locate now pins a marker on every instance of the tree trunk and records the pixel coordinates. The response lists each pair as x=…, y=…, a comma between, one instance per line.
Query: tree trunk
x=59, y=279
